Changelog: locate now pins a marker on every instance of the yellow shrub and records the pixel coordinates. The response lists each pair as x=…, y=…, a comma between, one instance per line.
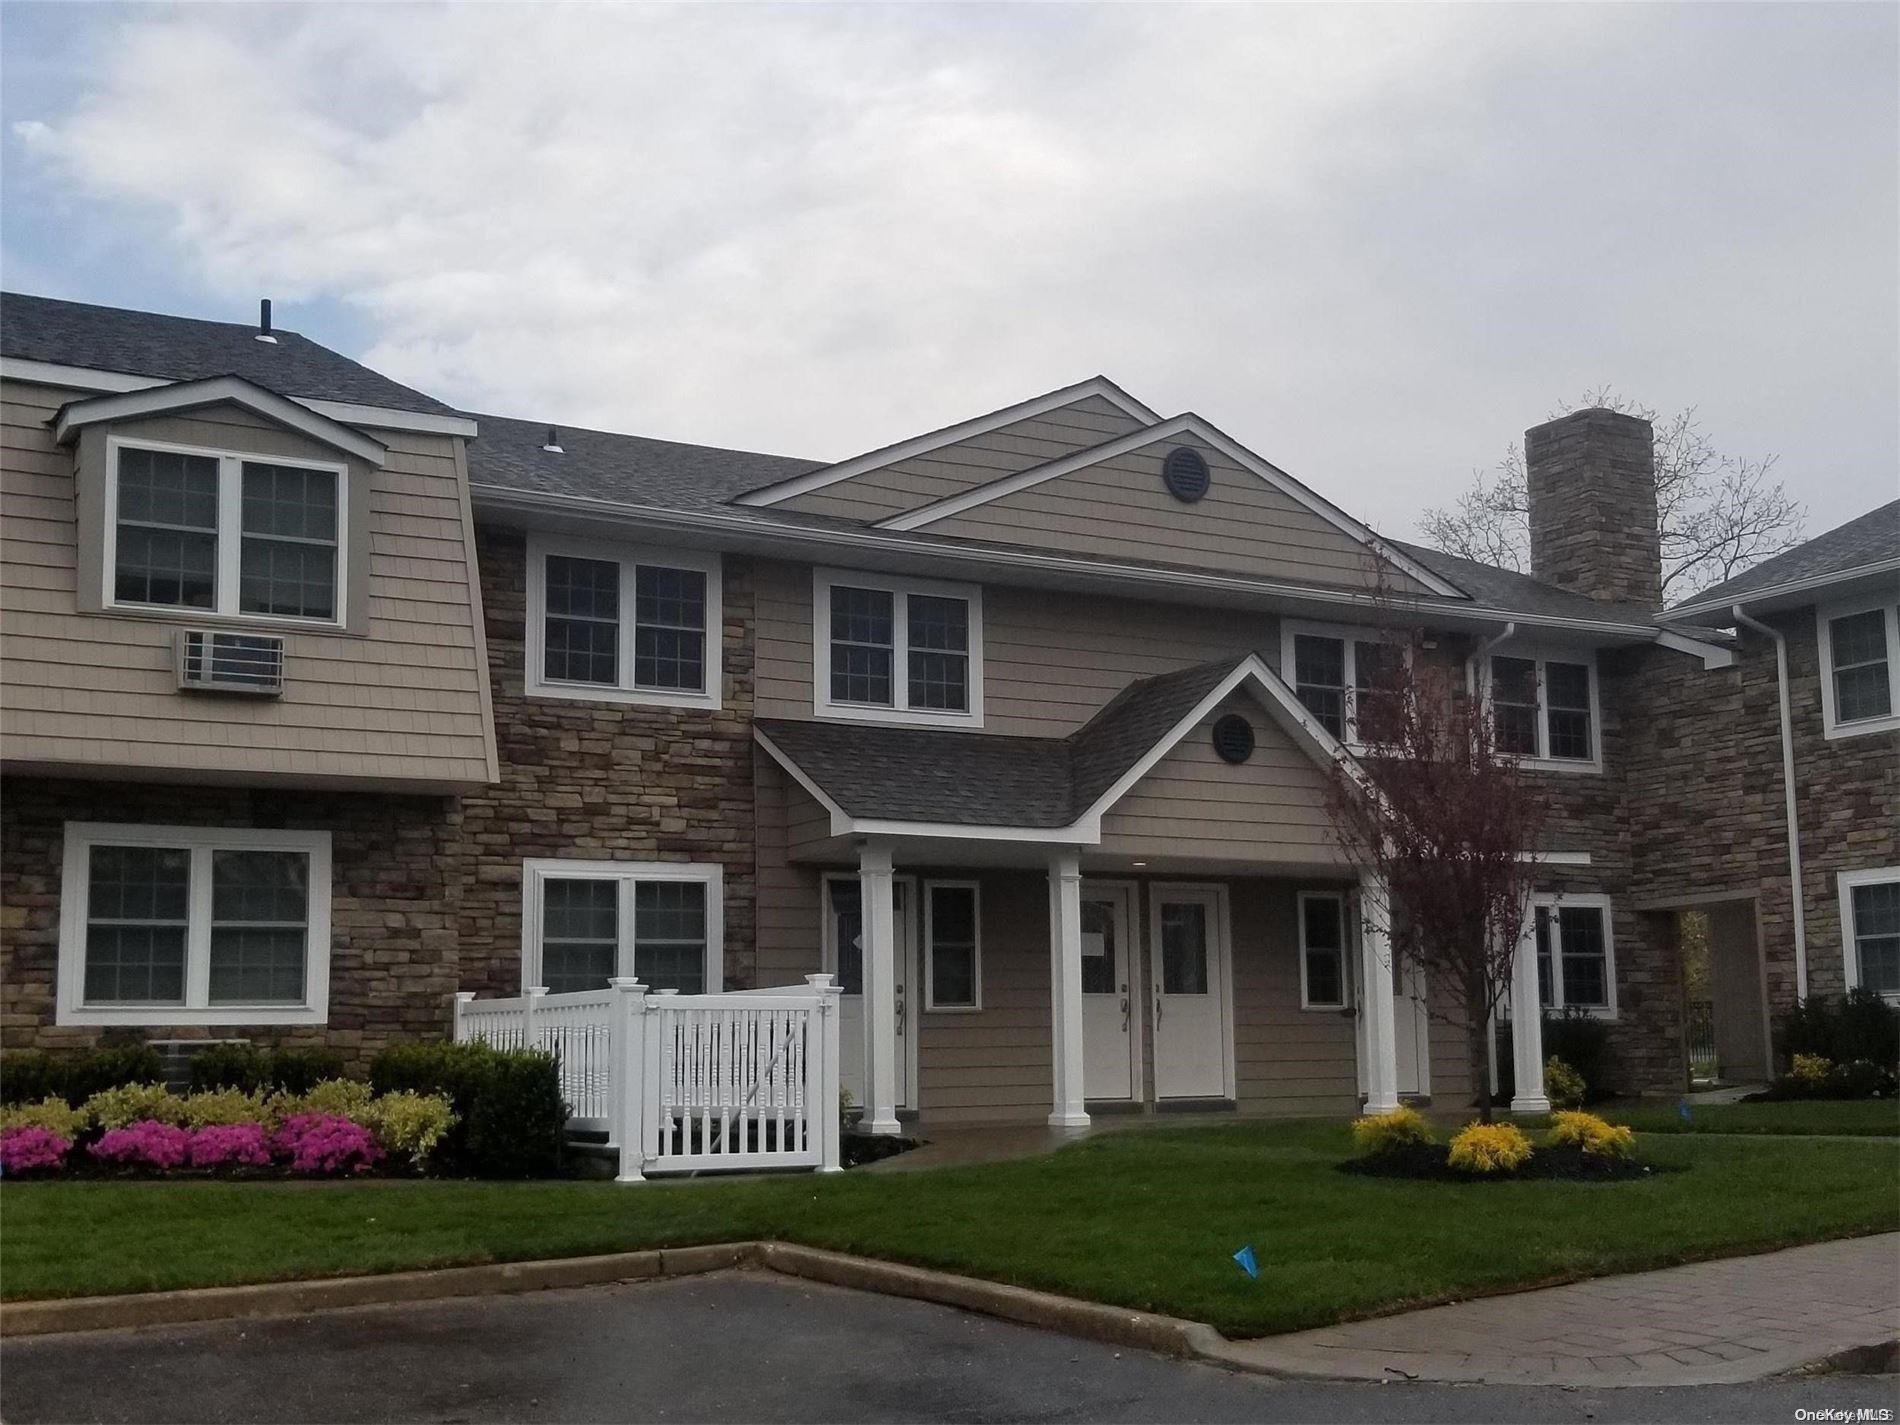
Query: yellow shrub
x=409, y=1124
x=223, y=1107
x=1592, y=1134
x=1563, y=1085
x=134, y=1103
x=1390, y=1130
x=55, y=1115
x=1810, y=1068
x=1489, y=1148
x=345, y=1097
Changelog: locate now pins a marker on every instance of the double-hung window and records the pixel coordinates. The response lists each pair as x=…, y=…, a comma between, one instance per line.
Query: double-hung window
x=1870, y=929
x=1544, y=710
x=586, y=922
x=897, y=650
x=620, y=624
x=1576, y=960
x=1346, y=678
x=1322, y=950
x=1860, y=666
x=232, y=535
x=953, y=952
x=175, y=925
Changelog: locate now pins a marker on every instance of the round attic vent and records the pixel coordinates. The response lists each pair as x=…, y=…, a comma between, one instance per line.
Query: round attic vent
x=1184, y=472
x=1233, y=738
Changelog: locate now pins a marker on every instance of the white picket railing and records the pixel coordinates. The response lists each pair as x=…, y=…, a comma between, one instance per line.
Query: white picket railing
x=686, y=1083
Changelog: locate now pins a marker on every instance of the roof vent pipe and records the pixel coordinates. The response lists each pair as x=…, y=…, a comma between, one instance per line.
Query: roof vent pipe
x=263, y=322
x=552, y=445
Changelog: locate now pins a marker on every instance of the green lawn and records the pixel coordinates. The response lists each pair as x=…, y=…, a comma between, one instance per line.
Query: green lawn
x=1861, y=1118
x=1143, y=1219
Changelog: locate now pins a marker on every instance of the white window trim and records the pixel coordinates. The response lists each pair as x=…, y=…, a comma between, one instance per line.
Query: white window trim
x=1850, y=941
x=200, y=841
x=1348, y=635
x=822, y=581
x=1554, y=901
x=930, y=947
x=1832, y=727
x=1338, y=899
x=1542, y=656
x=629, y=557
x=230, y=535
x=535, y=874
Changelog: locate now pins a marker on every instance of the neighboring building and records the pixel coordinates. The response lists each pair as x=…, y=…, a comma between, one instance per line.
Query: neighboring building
x=1019, y=727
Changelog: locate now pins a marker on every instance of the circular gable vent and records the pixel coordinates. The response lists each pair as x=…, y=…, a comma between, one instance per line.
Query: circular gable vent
x=1184, y=472
x=1233, y=738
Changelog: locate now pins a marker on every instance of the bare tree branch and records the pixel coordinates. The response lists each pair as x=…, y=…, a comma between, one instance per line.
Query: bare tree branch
x=1716, y=514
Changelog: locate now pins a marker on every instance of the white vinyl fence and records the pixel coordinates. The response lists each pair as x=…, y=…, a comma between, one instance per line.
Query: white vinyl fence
x=686, y=1083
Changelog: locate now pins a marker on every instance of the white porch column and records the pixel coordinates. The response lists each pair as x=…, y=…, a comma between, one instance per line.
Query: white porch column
x=880, y=988
x=1527, y=1025
x=1065, y=988
x=1378, y=1037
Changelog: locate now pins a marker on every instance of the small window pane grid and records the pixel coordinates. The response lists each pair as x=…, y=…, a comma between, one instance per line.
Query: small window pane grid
x=1323, y=949
x=167, y=536
x=1319, y=680
x=287, y=566
x=1857, y=644
x=1378, y=674
x=139, y=919
x=172, y=521
x=1184, y=934
x=1348, y=684
x=581, y=642
x=586, y=936
x=863, y=645
x=951, y=936
x=939, y=652
x=1876, y=930
x=1100, y=954
x=1580, y=970
x=1541, y=709
x=669, y=633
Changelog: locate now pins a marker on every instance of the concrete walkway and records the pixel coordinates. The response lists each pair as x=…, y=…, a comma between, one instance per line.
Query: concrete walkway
x=1712, y=1323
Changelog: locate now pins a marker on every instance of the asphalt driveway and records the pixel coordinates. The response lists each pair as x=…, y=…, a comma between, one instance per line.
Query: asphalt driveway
x=743, y=1347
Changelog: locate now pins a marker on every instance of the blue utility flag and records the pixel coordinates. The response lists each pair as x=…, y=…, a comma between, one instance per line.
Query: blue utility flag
x=1247, y=1264
x=1683, y=1108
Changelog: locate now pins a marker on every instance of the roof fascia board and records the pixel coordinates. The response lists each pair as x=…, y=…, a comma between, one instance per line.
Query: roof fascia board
x=1712, y=654
x=1814, y=583
x=217, y=391
x=85, y=378
x=949, y=435
x=778, y=538
x=840, y=818
x=1186, y=424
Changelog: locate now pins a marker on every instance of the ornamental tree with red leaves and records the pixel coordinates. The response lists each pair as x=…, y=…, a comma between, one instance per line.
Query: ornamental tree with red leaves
x=1448, y=821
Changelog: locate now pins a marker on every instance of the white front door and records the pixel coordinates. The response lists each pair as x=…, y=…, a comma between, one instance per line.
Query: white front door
x=1108, y=967
x=844, y=957
x=1187, y=943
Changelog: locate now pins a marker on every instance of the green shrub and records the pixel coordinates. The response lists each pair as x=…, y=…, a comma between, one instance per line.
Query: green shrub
x=510, y=1118
x=301, y=1070
x=1582, y=1041
x=31, y=1075
x=52, y=1113
x=409, y=1125
x=250, y=1067
x=134, y=1103
x=1861, y=1027
x=1563, y=1085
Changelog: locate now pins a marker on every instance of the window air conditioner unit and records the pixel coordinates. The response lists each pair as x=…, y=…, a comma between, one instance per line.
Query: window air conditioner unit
x=214, y=662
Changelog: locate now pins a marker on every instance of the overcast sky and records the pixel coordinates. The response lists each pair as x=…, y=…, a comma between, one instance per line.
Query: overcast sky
x=1372, y=244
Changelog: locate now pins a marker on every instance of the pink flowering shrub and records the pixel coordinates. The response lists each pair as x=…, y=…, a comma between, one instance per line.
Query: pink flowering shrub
x=146, y=1144
x=27, y=1149
x=326, y=1143
x=233, y=1145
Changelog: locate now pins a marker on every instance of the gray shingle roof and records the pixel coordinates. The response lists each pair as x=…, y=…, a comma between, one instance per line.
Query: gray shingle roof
x=186, y=349
x=1520, y=593
x=1867, y=540
x=982, y=779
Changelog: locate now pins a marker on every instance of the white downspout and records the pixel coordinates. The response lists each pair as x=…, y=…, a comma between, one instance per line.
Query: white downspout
x=1797, y=894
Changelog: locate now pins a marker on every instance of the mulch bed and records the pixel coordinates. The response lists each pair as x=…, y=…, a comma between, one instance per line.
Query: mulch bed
x=1427, y=1162
x=857, y=1149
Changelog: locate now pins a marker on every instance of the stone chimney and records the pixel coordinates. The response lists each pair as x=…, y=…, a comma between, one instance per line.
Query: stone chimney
x=1591, y=477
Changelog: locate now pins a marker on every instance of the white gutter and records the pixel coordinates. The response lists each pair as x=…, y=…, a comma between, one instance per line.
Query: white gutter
x=1796, y=893
x=1483, y=650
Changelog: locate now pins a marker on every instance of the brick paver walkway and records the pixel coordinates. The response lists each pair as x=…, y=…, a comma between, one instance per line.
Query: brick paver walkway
x=1707, y=1324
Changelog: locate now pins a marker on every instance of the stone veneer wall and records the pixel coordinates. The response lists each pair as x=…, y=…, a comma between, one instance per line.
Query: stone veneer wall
x=393, y=958
x=1591, y=478
x=601, y=781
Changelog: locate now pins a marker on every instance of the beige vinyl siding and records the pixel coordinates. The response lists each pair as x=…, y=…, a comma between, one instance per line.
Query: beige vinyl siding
x=1270, y=808
x=950, y=470
x=788, y=906
x=1051, y=660
x=1119, y=509
x=1286, y=1059
x=405, y=702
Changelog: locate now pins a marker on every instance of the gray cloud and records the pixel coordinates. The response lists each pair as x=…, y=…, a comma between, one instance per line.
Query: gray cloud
x=1372, y=243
